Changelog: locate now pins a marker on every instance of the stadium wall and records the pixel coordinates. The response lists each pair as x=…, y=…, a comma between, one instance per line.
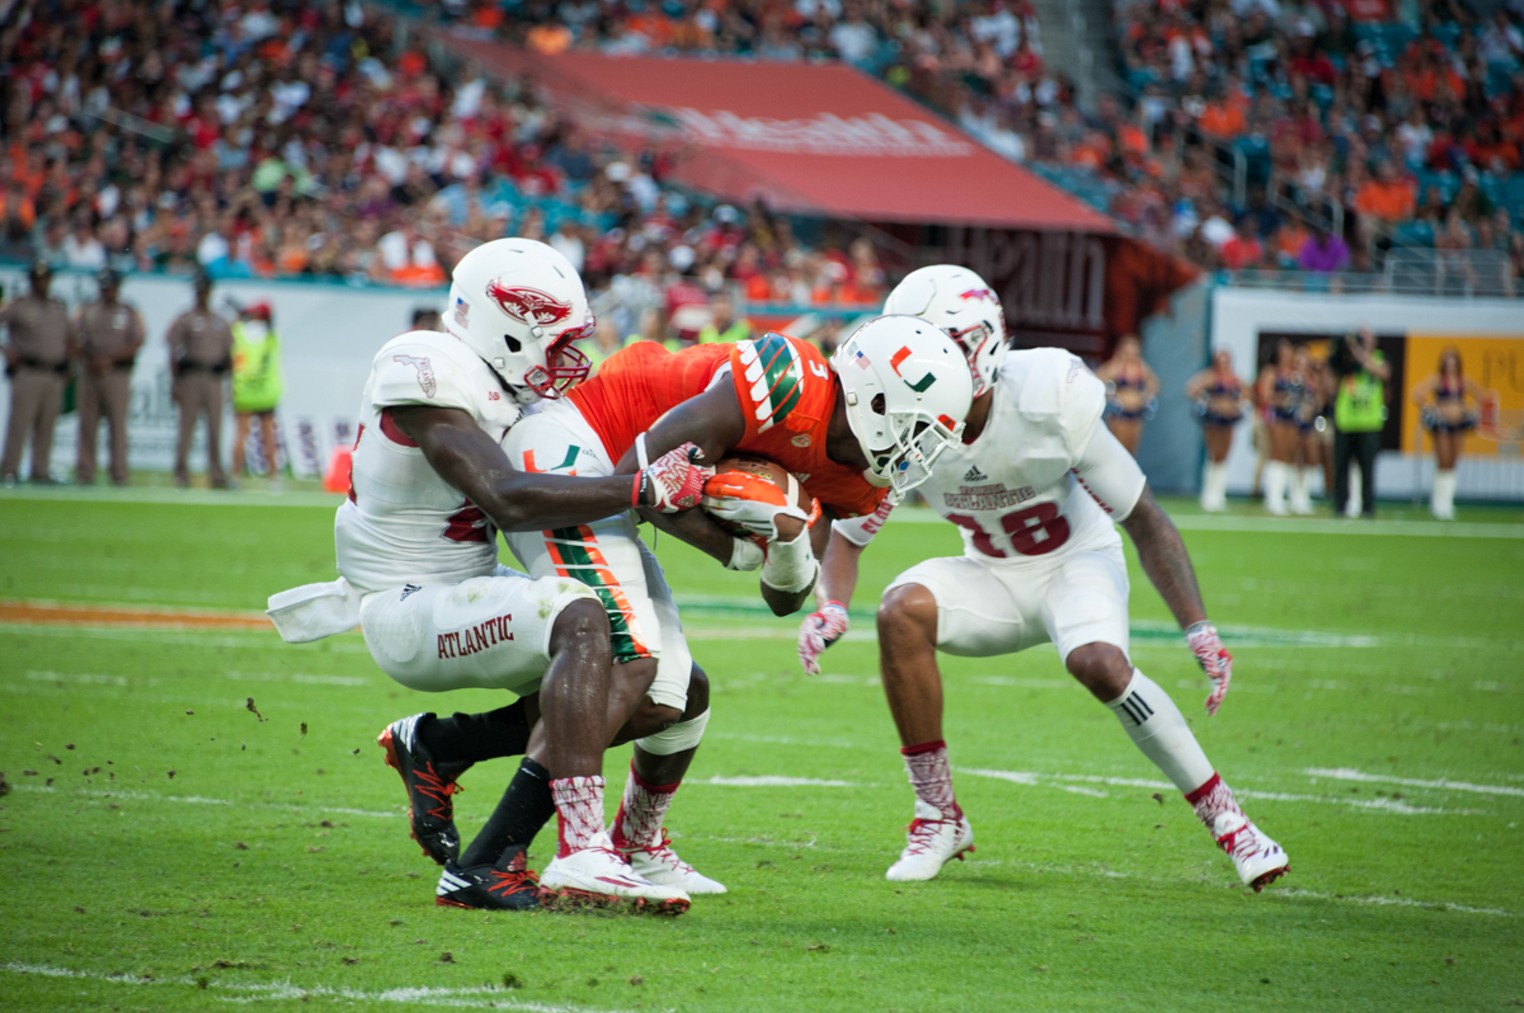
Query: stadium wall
x=1489, y=333
x=328, y=332
x=1174, y=343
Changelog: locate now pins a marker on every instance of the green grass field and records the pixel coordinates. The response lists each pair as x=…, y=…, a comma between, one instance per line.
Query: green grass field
x=200, y=818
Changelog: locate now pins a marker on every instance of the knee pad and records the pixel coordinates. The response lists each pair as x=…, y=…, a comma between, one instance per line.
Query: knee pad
x=676, y=737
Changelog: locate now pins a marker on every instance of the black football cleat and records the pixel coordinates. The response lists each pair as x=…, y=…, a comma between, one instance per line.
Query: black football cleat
x=431, y=813
x=508, y=887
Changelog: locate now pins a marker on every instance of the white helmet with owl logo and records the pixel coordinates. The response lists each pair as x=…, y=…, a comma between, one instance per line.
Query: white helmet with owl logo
x=519, y=304
x=962, y=304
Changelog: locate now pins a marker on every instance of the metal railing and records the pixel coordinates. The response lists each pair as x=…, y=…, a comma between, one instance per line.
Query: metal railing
x=1448, y=274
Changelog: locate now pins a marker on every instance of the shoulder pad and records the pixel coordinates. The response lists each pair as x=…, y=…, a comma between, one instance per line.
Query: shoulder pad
x=1055, y=389
x=770, y=374
x=427, y=368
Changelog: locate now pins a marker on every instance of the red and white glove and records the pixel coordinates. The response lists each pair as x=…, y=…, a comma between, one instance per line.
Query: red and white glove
x=819, y=631
x=752, y=503
x=1214, y=660
x=672, y=482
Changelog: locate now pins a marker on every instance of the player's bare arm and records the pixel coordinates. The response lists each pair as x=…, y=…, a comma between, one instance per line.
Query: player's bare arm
x=1162, y=554
x=713, y=422
x=471, y=461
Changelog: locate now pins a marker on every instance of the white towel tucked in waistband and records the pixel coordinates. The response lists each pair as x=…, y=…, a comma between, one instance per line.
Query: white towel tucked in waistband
x=314, y=611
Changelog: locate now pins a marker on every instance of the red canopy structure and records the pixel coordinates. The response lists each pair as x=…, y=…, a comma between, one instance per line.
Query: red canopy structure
x=830, y=141
x=820, y=139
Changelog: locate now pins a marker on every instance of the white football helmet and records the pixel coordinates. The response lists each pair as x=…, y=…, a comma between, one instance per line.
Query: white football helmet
x=519, y=305
x=958, y=301
x=907, y=389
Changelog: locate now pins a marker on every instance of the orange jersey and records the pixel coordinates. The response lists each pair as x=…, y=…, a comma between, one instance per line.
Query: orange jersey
x=785, y=388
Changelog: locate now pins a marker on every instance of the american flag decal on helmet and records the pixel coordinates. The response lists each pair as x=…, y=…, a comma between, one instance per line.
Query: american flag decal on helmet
x=530, y=305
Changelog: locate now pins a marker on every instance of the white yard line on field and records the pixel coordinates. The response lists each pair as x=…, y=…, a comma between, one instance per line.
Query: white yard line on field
x=1065, y=782
x=1443, y=784
x=474, y=997
x=774, y=781
x=1292, y=893
x=131, y=795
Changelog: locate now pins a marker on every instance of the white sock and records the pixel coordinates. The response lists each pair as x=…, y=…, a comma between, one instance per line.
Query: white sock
x=1212, y=475
x=1158, y=728
x=1442, y=502
x=639, y=820
x=1302, y=485
x=1276, y=474
x=579, y=804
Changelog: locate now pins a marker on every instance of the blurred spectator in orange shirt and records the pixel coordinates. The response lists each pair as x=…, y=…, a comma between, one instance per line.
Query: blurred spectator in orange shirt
x=1385, y=197
x=549, y=37
x=1244, y=249
x=1225, y=117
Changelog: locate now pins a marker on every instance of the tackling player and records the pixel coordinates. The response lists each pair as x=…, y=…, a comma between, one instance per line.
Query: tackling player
x=870, y=422
x=417, y=554
x=1035, y=486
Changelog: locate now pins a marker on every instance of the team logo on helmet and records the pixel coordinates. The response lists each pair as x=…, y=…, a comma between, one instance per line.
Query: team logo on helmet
x=979, y=293
x=530, y=305
x=918, y=386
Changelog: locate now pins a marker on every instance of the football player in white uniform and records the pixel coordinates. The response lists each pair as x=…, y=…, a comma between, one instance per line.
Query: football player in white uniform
x=417, y=554
x=856, y=433
x=1035, y=486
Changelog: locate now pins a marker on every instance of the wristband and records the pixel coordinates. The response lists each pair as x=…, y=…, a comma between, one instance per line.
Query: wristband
x=639, y=488
x=790, y=566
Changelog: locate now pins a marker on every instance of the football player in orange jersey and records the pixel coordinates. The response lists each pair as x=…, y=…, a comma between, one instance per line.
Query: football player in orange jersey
x=865, y=426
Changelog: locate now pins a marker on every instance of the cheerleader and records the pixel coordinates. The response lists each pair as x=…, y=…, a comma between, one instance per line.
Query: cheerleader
x=1280, y=391
x=1132, y=390
x=1448, y=405
x=1218, y=394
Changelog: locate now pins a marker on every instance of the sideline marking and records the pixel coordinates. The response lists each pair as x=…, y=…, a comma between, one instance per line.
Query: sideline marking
x=254, y=992
x=35, y=616
x=65, y=614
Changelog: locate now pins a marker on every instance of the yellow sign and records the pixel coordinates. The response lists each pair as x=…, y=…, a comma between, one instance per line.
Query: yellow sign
x=1493, y=362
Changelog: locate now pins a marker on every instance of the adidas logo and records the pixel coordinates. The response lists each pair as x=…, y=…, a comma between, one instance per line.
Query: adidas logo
x=975, y=475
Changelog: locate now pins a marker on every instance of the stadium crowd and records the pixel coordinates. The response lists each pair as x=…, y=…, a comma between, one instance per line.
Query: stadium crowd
x=293, y=139
x=277, y=138
x=1348, y=135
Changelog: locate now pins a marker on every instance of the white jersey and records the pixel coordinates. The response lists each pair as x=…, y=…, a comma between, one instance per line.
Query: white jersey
x=402, y=523
x=1045, y=473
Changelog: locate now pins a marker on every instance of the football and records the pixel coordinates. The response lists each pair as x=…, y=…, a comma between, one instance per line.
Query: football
x=769, y=471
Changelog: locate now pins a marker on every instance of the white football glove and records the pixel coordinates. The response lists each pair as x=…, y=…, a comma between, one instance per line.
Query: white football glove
x=819, y=631
x=751, y=503
x=1214, y=659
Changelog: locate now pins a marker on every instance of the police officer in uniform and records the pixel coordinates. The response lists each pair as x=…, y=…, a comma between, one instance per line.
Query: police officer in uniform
x=200, y=356
x=37, y=353
x=108, y=333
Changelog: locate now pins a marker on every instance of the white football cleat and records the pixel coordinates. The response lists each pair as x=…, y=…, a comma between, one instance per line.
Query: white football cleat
x=659, y=864
x=1258, y=859
x=932, y=841
x=597, y=876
